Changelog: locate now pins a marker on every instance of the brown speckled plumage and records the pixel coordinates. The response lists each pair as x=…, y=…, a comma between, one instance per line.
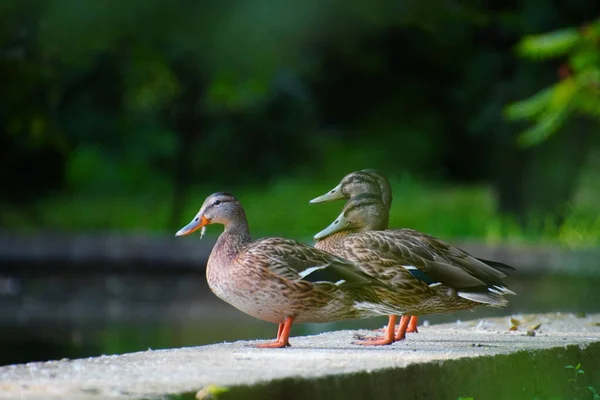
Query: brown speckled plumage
x=262, y=279
x=384, y=254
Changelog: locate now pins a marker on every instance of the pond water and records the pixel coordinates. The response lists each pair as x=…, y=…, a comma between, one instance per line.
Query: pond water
x=82, y=314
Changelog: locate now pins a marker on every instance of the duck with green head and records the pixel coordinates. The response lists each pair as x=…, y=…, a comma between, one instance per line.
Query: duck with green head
x=430, y=275
x=281, y=280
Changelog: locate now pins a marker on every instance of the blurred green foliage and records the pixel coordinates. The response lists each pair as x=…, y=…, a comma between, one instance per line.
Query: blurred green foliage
x=578, y=91
x=118, y=115
x=447, y=211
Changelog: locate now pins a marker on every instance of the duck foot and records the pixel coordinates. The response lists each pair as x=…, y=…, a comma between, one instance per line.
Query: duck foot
x=375, y=341
x=273, y=345
x=388, y=338
x=283, y=336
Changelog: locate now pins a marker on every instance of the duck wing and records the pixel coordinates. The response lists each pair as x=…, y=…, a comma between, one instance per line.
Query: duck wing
x=426, y=258
x=465, y=269
x=296, y=261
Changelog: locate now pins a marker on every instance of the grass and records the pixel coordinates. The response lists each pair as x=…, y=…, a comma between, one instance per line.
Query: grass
x=282, y=208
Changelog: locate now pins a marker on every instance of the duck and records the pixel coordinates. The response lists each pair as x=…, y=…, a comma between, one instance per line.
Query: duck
x=374, y=182
x=431, y=275
x=282, y=280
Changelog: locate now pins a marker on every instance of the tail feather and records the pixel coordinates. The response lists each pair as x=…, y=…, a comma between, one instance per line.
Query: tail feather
x=504, y=268
x=489, y=298
x=501, y=290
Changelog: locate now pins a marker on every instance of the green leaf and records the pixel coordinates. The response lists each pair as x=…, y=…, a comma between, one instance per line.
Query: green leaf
x=587, y=100
x=557, y=110
x=582, y=60
x=216, y=390
x=211, y=392
x=548, y=45
x=530, y=107
x=588, y=104
x=545, y=127
x=563, y=94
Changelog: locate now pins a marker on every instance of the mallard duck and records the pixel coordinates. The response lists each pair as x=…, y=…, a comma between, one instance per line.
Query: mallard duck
x=281, y=280
x=430, y=275
x=368, y=181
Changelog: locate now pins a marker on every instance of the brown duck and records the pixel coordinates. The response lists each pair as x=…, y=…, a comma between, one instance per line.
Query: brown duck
x=431, y=275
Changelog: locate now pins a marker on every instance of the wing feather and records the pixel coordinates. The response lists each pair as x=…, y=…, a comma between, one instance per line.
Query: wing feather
x=296, y=261
x=437, y=260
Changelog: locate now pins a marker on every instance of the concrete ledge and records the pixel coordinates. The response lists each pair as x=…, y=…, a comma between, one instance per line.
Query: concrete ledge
x=479, y=359
x=131, y=251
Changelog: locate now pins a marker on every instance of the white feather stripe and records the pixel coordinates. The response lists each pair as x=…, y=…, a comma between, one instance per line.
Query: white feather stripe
x=310, y=270
x=492, y=299
x=503, y=290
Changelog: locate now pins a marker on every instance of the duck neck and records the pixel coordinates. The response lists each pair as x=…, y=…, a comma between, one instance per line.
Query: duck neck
x=238, y=228
x=386, y=194
x=379, y=224
x=235, y=236
x=375, y=221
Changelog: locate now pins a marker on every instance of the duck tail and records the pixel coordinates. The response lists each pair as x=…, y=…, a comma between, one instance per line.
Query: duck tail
x=501, y=290
x=491, y=299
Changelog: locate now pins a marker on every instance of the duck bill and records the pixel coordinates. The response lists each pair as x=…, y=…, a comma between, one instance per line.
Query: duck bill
x=339, y=224
x=193, y=226
x=333, y=194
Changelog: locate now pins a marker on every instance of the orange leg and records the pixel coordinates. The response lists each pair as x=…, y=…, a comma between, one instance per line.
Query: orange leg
x=412, y=326
x=387, y=339
x=401, y=332
x=283, y=336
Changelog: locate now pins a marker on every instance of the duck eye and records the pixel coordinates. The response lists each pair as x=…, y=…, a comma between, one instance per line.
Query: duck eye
x=216, y=202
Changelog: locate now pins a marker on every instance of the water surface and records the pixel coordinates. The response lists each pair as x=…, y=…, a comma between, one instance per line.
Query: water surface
x=54, y=316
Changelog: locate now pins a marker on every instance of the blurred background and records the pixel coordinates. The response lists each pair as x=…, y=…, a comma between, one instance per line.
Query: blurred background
x=118, y=118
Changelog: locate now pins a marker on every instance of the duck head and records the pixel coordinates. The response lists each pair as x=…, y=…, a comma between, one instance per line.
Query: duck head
x=361, y=213
x=357, y=183
x=218, y=208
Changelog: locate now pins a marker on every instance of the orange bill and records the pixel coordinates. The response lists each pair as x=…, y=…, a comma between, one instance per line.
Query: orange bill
x=193, y=226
